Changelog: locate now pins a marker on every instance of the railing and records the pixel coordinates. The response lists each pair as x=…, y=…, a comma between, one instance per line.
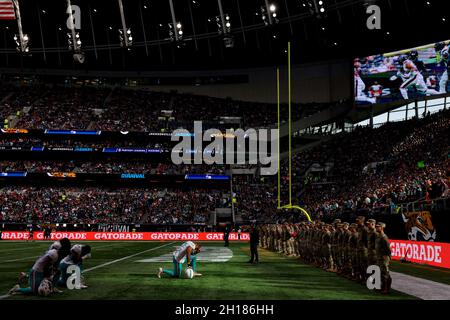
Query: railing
x=422, y=204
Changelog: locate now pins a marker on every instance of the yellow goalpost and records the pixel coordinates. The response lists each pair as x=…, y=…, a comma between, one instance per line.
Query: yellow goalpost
x=290, y=205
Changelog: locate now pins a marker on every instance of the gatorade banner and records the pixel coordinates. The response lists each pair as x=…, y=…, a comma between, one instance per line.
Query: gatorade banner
x=131, y=236
x=432, y=253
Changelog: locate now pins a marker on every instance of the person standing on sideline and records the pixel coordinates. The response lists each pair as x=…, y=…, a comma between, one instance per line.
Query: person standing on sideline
x=239, y=233
x=383, y=252
x=254, y=242
x=226, y=235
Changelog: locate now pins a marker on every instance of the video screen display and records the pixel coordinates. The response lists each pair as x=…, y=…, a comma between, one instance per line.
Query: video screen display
x=406, y=74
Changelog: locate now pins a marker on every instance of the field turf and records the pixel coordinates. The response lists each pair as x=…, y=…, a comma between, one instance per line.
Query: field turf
x=114, y=273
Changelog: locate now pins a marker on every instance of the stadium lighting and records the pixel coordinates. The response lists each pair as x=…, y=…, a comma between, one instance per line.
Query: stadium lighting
x=127, y=39
x=22, y=47
x=220, y=28
x=269, y=14
x=74, y=44
x=176, y=34
x=321, y=6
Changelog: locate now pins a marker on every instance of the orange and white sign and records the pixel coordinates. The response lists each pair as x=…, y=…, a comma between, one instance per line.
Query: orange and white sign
x=432, y=253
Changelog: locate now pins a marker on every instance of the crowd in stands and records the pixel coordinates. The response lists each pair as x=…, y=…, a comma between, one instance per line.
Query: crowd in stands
x=64, y=108
x=66, y=143
x=364, y=171
x=99, y=205
x=109, y=167
x=98, y=108
x=397, y=163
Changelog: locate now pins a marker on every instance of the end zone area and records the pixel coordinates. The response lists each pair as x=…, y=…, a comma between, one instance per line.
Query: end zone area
x=127, y=270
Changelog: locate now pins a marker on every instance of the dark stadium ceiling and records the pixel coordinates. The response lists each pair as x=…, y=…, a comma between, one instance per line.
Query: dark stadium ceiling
x=339, y=32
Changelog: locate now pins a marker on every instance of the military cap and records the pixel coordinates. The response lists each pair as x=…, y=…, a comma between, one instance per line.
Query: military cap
x=345, y=224
x=381, y=224
x=371, y=221
x=361, y=218
x=353, y=225
x=337, y=221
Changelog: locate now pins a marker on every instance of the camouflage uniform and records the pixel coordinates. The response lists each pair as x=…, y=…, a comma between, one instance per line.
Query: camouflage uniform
x=383, y=251
x=362, y=250
x=353, y=246
x=328, y=260
x=346, y=270
x=371, y=237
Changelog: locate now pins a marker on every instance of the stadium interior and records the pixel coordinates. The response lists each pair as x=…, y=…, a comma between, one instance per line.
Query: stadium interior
x=89, y=112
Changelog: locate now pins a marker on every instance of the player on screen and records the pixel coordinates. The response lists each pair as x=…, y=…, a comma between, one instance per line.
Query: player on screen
x=360, y=95
x=187, y=252
x=411, y=78
x=414, y=57
x=442, y=56
x=376, y=90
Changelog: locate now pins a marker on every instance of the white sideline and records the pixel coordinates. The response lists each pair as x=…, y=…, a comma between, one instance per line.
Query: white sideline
x=419, y=287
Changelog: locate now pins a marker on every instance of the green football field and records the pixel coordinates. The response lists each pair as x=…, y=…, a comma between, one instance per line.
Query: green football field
x=127, y=270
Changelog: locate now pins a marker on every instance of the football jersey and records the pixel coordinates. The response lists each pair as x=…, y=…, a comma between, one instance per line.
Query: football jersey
x=180, y=254
x=46, y=261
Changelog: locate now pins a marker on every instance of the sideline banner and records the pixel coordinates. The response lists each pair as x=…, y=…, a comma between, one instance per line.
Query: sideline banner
x=432, y=253
x=134, y=236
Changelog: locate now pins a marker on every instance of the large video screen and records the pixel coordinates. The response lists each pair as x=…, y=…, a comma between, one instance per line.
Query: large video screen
x=407, y=74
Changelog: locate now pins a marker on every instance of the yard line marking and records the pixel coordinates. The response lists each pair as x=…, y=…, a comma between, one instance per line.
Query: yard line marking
x=26, y=258
x=127, y=257
x=13, y=260
x=20, y=249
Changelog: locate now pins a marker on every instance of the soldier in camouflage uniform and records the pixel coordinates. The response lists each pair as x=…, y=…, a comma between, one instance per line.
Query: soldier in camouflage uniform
x=383, y=251
x=334, y=234
x=362, y=249
x=346, y=270
x=339, y=249
x=328, y=259
x=353, y=247
x=371, y=237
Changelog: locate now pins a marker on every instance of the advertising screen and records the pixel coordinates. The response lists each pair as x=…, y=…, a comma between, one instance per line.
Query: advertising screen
x=402, y=75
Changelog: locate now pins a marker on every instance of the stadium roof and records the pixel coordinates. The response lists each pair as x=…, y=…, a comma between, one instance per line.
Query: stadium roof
x=339, y=31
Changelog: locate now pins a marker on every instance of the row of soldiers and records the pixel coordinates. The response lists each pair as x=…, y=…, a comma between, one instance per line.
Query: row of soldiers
x=340, y=247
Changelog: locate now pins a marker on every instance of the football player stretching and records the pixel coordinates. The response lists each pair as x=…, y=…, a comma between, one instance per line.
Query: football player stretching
x=187, y=252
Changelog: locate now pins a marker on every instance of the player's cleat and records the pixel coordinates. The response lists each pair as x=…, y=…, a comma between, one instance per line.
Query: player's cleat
x=197, y=274
x=14, y=290
x=160, y=272
x=83, y=286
